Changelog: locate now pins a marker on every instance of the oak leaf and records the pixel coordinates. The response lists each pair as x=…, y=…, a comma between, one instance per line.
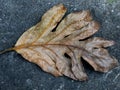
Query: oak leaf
x=58, y=48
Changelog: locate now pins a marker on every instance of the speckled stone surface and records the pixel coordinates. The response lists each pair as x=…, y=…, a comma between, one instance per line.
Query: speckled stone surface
x=16, y=16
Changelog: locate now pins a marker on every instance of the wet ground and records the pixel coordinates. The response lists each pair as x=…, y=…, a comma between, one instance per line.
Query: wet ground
x=16, y=16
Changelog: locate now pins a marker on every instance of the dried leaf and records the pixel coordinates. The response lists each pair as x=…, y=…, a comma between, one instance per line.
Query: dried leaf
x=59, y=50
x=98, y=57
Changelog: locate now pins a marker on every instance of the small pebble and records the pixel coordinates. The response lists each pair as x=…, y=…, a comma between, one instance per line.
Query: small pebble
x=112, y=10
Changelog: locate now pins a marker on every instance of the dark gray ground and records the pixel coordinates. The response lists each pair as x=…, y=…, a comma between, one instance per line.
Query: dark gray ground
x=16, y=16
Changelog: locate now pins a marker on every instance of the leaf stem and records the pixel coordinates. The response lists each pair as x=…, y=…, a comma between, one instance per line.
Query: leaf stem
x=6, y=50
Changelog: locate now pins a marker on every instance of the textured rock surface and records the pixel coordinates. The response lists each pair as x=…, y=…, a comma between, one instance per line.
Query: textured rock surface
x=18, y=15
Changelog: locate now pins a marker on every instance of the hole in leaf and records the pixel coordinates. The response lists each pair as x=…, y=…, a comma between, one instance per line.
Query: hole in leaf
x=56, y=26
x=85, y=38
x=86, y=65
x=67, y=56
x=95, y=48
x=66, y=36
x=53, y=30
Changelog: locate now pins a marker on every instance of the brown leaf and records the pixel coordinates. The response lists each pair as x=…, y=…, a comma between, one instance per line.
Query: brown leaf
x=97, y=56
x=59, y=52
